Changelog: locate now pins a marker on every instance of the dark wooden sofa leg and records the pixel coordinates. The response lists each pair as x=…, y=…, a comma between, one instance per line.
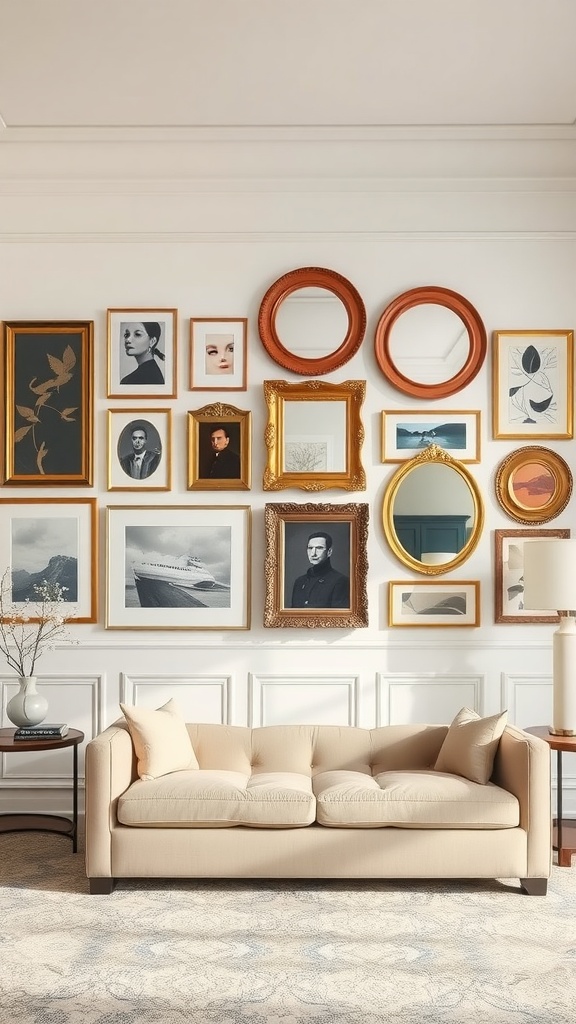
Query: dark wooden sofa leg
x=101, y=886
x=534, y=886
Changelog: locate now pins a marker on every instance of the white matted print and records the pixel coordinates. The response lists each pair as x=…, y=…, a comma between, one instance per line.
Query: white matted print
x=139, y=450
x=218, y=353
x=435, y=603
x=532, y=384
x=142, y=353
x=178, y=567
x=404, y=434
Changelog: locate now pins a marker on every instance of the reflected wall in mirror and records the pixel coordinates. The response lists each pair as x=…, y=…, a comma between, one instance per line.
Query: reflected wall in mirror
x=311, y=321
x=314, y=435
x=433, y=512
x=430, y=342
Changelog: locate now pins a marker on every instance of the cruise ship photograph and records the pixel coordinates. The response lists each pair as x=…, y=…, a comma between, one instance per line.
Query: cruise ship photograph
x=189, y=568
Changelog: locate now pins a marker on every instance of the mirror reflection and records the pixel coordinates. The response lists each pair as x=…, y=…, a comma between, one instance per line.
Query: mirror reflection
x=311, y=322
x=429, y=343
x=314, y=437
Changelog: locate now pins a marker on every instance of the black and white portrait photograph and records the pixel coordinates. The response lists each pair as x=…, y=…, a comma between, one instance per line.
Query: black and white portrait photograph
x=219, y=448
x=142, y=353
x=139, y=450
x=317, y=565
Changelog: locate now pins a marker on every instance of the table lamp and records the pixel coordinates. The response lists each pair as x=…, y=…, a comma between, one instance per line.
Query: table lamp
x=550, y=584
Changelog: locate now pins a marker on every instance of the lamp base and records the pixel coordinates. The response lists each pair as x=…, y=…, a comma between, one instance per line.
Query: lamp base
x=561, y=732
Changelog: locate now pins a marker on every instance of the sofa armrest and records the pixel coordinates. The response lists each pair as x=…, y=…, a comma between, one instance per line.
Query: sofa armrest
x=110, y=770
x=522, y=766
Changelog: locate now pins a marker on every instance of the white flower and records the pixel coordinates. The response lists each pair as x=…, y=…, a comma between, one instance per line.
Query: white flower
x=24, y=636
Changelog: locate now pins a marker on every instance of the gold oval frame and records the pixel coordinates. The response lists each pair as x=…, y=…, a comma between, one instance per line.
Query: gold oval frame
x=556, y=466
x=432, y=454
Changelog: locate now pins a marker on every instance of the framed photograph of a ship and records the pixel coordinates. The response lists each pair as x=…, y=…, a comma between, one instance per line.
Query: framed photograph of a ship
x=404, y=434
x=53, y=540
x=178, y=567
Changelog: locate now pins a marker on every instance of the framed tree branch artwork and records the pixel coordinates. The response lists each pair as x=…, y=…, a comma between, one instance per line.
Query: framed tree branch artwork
x=48, y=380
x=533, y=384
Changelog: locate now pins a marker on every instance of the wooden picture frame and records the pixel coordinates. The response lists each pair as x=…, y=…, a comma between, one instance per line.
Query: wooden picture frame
x=218, y=353
x=178, y=567
x=533, y=384
x=142, y=352
x=292, y=593
x=509, y=575
x=139, y=450
x=53, y=539
x=219, y=448
x=314, y=435
x=405, y=433
x=439, y=603
x=48, y=402
x=533, y=484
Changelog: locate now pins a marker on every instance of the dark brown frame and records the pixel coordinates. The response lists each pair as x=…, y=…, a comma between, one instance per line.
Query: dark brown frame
x=499, y=537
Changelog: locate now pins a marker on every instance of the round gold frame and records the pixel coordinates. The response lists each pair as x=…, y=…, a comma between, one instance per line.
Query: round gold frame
x=556, y=467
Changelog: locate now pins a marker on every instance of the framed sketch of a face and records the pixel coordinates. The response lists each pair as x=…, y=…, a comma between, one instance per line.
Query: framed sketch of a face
x=139, y=450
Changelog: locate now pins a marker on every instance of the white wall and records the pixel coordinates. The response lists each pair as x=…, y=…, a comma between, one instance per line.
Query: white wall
x=82, y=229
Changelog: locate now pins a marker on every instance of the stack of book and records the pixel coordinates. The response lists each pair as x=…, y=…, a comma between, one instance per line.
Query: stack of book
x=44, y=731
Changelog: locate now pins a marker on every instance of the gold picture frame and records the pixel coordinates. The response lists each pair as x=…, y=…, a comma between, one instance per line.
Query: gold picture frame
x=297, y=578
x=144, y=464
x=434, y=603
x=226, y=464
x=316, y=445
x=533, y=384
x=533, y=484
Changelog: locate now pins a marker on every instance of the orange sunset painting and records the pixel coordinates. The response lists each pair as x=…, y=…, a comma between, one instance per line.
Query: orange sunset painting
x=533, y=485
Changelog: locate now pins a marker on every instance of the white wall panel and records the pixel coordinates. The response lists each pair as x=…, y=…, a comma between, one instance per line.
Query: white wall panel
x=431, y=699
x=200, y=698
x=304, y=700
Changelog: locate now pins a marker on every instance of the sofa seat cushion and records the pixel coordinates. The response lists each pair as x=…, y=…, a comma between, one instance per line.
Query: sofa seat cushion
x=220, y=798
x=411, y=799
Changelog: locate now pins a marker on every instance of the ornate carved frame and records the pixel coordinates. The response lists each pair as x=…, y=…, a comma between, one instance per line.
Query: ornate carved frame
x=216, y=415
x=553, y=463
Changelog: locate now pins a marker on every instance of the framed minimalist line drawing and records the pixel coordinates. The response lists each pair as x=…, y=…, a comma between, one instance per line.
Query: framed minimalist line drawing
x=219, y=448
x=314, y=435
x=139, y=450
x=533, y=384
x=142, y=347
x=49, y=388
x=404, y=434
x=54, y=540
x=434, y=603
x=509, y=575
x=533, y=484
x=218, y=353
x=178, y=567
x=316, y=566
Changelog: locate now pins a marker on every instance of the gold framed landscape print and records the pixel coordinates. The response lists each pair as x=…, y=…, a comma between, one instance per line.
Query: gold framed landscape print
x=450, y=603
x=404, y=434
x=533, y=384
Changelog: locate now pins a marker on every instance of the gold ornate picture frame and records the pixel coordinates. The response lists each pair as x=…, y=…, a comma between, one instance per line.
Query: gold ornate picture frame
x=533, y=484
x=316, y=565
x=314, y=435
x=219, y=448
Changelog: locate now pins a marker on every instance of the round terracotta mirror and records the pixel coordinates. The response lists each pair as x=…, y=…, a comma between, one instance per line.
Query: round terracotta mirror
x=430, y=342
x=311, y=321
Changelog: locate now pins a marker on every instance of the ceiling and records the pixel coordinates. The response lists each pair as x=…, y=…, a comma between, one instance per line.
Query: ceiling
x=125, y=64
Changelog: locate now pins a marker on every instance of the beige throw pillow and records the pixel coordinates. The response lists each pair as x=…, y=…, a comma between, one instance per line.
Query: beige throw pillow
x=160, y=739
x=470, y=746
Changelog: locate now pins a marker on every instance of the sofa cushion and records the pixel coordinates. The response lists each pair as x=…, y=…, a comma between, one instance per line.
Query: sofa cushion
x=220, y=798
x=411, y=799
x=161, y=740
x=470, y=745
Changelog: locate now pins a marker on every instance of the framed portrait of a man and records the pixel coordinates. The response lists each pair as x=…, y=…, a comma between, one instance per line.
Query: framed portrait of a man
x=139, y=456
x=219, y=443
x=316, y=565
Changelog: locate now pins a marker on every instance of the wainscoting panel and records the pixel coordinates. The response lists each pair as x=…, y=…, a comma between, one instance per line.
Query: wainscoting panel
x=303, y=700
x=528, y=698
x=202, y=698
x=430, y=698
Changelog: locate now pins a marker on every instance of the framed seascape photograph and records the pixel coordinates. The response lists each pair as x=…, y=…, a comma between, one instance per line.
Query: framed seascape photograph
x=314, y=435
x=219, y=448
x=404, y=434
x=48, y=398
x=139, y=450
x=178, y=567
x=218, y=353
x=316, y=565
x=434, y=603
x=533, y=384
x=142, y=347
x=54, y=540
x=533, y=484
x=509, y=575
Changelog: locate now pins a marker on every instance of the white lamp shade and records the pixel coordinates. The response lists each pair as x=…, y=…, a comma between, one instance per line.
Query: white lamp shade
x=550, y=574
x=437, y=557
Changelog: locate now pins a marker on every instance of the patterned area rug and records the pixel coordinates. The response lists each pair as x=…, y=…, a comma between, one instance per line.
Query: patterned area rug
x=168, y=952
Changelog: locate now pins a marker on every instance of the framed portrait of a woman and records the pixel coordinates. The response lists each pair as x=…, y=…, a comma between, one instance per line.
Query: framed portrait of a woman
x=218, y=354
x=142, y=353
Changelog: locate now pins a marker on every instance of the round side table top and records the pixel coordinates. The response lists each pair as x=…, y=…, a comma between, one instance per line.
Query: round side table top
x=7, y=742
x=567, y=743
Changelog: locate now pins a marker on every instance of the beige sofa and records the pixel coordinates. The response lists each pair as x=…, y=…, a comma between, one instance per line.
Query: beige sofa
x=317, y=802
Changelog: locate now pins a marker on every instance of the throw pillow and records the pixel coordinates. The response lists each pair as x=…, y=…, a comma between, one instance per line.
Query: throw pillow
x=470, y=746
x=161, y=740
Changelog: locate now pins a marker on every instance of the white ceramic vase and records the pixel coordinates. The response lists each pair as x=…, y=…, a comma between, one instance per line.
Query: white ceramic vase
x=27, y=707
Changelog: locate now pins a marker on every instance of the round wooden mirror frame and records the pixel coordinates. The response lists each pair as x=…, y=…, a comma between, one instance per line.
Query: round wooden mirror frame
x=435, y=455
x=311, y=277
x=457, y=304
x=558, y=471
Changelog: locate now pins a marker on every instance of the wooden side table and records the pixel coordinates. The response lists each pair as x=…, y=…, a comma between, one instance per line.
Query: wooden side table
x=564, y=838
x=23, y=822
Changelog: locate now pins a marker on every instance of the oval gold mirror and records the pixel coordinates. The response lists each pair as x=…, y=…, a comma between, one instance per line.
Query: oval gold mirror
x=430, y=342
x=433, y=512
x=311, y=321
